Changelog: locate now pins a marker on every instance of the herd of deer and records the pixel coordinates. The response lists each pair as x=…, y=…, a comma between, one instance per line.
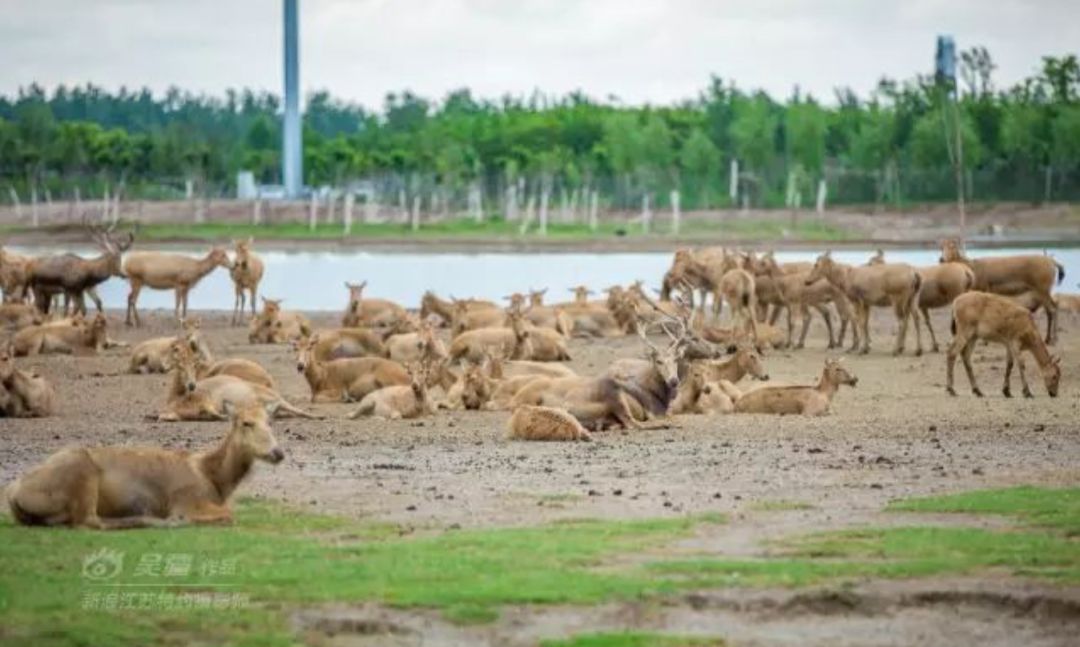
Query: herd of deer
x=394, y=363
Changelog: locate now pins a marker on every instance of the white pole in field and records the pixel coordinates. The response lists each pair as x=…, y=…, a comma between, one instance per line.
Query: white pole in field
x=15, y=200
x=78, y=201
x=511, y=202
x=256, y=212
x=346, y=216
x=313, y=212
x=822, y=193
x=116, y=205
x=530, y=212
x=105, y=208
x=416, y=212
x=733, y=187
x=371, y=209
x=403, y=205
x=676, y=214
x=646, y=213
x=594, y=207
x=544, y=196
x=34, y=205
x=331, y=205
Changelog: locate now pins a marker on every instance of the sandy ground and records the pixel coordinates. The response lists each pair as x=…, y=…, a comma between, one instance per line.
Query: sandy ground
x=897, y=434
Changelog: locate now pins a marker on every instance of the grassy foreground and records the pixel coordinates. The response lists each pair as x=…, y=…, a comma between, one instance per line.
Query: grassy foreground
x=72, y=587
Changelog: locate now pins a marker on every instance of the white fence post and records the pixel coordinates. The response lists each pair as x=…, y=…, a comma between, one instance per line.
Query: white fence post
x=256, y=212
x=15, y=199
x=347, y=215
x=733, y=187
x=544, y=195
x=676, y=215
x=594, y=207
x=313, y=212
x=822, y=193
x=646, y=213
x=416, y=213
x=530, y=212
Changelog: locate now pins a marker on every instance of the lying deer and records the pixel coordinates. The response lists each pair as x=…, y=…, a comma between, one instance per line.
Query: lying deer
x=16, y=316
x=699, y=395
x=164, y=271
x=512, y=342
x=192, y=398
x=369, y=313
x=246, y=274
x=981, y=315
x=68, y=337
x=797, y=400
x=276, y=326
x=341, y=343
x=416, y=346
x=14, y=276
x=431, y=304
x=545, y=423
x=399, y=401
x=137, y=487
x=155, y=355
x=346, y=379
x=22, y=394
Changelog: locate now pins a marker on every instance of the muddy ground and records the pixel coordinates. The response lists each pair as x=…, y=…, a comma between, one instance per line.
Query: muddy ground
x=896, y=435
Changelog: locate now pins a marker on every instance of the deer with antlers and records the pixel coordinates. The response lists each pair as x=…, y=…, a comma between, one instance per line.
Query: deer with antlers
x=164, y=271
x=73, y=275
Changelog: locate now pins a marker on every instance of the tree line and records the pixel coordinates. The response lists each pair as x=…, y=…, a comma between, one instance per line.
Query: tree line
x=889, y=148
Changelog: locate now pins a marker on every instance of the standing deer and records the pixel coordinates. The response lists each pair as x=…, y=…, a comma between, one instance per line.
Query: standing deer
x=164, y=271
x=246, y=273
x=73, y=275
x=981, y=315
x=941, y=284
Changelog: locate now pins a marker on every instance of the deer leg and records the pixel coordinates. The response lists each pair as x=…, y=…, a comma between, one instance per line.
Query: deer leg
x=901, y=333
x=1019, y=355
x=804, y=313
x=864, y=327
x=1051, y=308
x=284, y=406
x=132, y=301
x=254, y=300
x=790, y=329
x=205, y=513
x=775, y=316
x=969, y=348
x=238, y=299
x=827, y=316
x=96, y=299
x=1006, y=390
x=929, y=327
x=950, y=361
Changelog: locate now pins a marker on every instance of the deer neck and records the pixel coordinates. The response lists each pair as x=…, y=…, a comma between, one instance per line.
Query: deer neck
x=225, y=467
x=99, y=268
x=315, y=372
x=179, y=384
x=204, y=266
x=1034, y=343
x=827, y=386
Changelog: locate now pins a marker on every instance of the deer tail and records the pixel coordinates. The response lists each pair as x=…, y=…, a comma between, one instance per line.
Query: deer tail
x=1060, y=272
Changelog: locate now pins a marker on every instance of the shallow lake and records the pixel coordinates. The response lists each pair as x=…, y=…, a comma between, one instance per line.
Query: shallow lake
x=314, y=280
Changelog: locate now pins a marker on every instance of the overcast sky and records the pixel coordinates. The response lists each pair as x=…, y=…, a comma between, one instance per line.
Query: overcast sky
x=655, y=51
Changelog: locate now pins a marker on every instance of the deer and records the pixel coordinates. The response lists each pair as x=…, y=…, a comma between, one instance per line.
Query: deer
x=698, y=395
x=797, y=400
x=347, y=379
x=513, y=342
x=370, y=313
x=68, y=337
x=993, y=318
x=877, y=259
x=797, y=297
x=545, y=423
x=431, y=304
x=276, y=326
x=398, y=402
x=165, y=271
x=22, y=394
x=340, y=343
x=548, y=345
x=745, y=361
x=16, y=316
x=414, y=346
x=106, y=488
x=246, y=274
x=193, y=398
x=868, y=286
x=72, y=275
x=155, y=355
x=1013, y=276
x=14, y=276
x=941, y=284
x=468, y=317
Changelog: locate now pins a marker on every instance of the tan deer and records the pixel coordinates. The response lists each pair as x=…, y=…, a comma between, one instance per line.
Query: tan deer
x=1014, y=276
x=369, y=313
x=797, y=297
x=870, y=286
x=68, y=337
x=513, y=342
x=981, y=315
x=545, y=423
x=16, y=316
x=941, y=284
x=164, y=271
x=414, y=346
x=155, y=355
x=431, y=304
x=467, y=317
x=698, y=395
x=246, y=274
x=340, y=343
x=797, y=400
x=22, y=394
x=192, y=398
x=136, y=487
x=14, y=276
x=399, y=401
x=276, y=326
x=347, y=379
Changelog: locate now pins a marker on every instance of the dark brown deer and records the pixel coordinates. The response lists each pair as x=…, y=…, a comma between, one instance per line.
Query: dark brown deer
x=73, y=275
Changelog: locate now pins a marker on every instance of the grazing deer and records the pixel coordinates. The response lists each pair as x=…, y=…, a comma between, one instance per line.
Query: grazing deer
x=1014, y=276
x=545, y=423
x=14, y=276
x=137, y=487
x=276, y=326
x=192, y=398
x=941, y=284
x=369, y=313
x=797, y=400
x=16, y=316
x=981, y=315
x=347, y=379
x=399, y=401
x=22, y=394
x=868, y=286
x=164, y=271
x=246, y=273
x=68, y=337
x=513, y=342
x=155, y=355
x=73, y=275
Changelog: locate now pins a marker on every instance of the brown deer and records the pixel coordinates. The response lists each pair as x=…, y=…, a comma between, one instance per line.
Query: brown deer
x=467, y=317
x=347, y=379
x=369, y=313
x=16, y=316
x=137, y=487
x=398, y=402
x=414, y=346
x=797, y=400
x=340, y=343
x=699, y=395
x=14, y=276
x=797, y=297
x=981, y=315
x=1013, y=276
x=155, y=355
x=869, y=286
x=877, y=259
x=545, y=423
x=192, y=398
x=73, y=275
x=68, y=337
x=513, y=342
x=276, y=326
x=164, y=271
x=431, y=304
x=941, y=284
x=22, y=394
x=246, y=274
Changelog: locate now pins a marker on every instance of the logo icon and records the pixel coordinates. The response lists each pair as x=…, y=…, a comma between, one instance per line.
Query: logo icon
x=104, y=564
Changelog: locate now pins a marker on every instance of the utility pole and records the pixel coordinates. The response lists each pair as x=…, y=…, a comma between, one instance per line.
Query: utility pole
x=945, y=74
x=292, y=170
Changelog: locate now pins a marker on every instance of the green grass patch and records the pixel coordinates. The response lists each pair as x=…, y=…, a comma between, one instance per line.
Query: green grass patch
x=779, y=505
x=1055, y=508
x=282, y=558
x=632, y=639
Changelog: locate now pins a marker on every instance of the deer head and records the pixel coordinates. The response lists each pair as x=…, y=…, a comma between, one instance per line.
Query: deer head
x=951, y=251
x=824, y=268
x=836, y=374
x=750, y=361
x=7, y=361
x=1052, y=375
x=251, y=433
x=536, y=297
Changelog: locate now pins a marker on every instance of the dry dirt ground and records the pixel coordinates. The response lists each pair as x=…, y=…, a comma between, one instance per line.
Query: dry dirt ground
x=898, y=434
